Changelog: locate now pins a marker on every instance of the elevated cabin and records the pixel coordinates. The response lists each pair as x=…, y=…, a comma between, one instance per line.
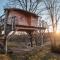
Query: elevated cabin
x=23, y=20
x=20, y=20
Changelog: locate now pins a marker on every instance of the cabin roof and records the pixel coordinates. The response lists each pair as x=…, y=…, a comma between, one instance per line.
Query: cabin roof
x=17, y=9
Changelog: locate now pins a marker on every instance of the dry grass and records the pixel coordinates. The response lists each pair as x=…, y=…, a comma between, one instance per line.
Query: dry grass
x=4, y=57
x=43, y=53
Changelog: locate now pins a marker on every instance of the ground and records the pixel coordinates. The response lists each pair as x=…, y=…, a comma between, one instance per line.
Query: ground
x=4, y=57
x=39, y=53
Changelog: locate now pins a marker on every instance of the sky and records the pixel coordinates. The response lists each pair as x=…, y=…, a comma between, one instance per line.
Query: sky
x=2, y=5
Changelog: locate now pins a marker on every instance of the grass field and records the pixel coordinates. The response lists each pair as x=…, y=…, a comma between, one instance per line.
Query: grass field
x=43, y=53
x=37, y=53
x=21, y=52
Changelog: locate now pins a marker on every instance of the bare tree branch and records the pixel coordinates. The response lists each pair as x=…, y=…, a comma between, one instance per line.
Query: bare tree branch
x=53, y=11
x=20, y=3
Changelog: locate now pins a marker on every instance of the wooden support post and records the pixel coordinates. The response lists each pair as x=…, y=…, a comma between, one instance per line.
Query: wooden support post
x=13, y=23
x=30, y=33
x=5, y=35
x=43, y=31
x=5, y=44
x=5, y=30
x=41, y=37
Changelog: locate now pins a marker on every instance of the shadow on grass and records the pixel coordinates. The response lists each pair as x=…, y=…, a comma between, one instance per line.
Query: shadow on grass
x=13, y=56
x=50, y=56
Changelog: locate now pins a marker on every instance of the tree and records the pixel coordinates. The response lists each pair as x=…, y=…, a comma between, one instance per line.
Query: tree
x=53, y=7
x=28, y=5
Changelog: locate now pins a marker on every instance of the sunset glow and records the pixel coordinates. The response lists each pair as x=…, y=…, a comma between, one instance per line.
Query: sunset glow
x=57, y=31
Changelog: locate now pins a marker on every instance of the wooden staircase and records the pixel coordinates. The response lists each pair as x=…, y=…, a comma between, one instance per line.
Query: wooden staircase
x=2, y=39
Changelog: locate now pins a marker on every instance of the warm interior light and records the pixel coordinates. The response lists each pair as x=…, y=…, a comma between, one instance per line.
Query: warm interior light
x=57, y=32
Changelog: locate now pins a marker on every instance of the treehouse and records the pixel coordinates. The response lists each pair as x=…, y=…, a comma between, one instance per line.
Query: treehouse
x=22, y=20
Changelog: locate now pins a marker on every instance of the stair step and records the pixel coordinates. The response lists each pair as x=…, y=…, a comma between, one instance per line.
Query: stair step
x=2, y=37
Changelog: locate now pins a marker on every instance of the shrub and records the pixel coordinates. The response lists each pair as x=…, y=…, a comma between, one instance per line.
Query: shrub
x=55, y=49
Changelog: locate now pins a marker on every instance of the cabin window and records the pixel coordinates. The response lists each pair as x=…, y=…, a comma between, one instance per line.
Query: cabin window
x=11, y=19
